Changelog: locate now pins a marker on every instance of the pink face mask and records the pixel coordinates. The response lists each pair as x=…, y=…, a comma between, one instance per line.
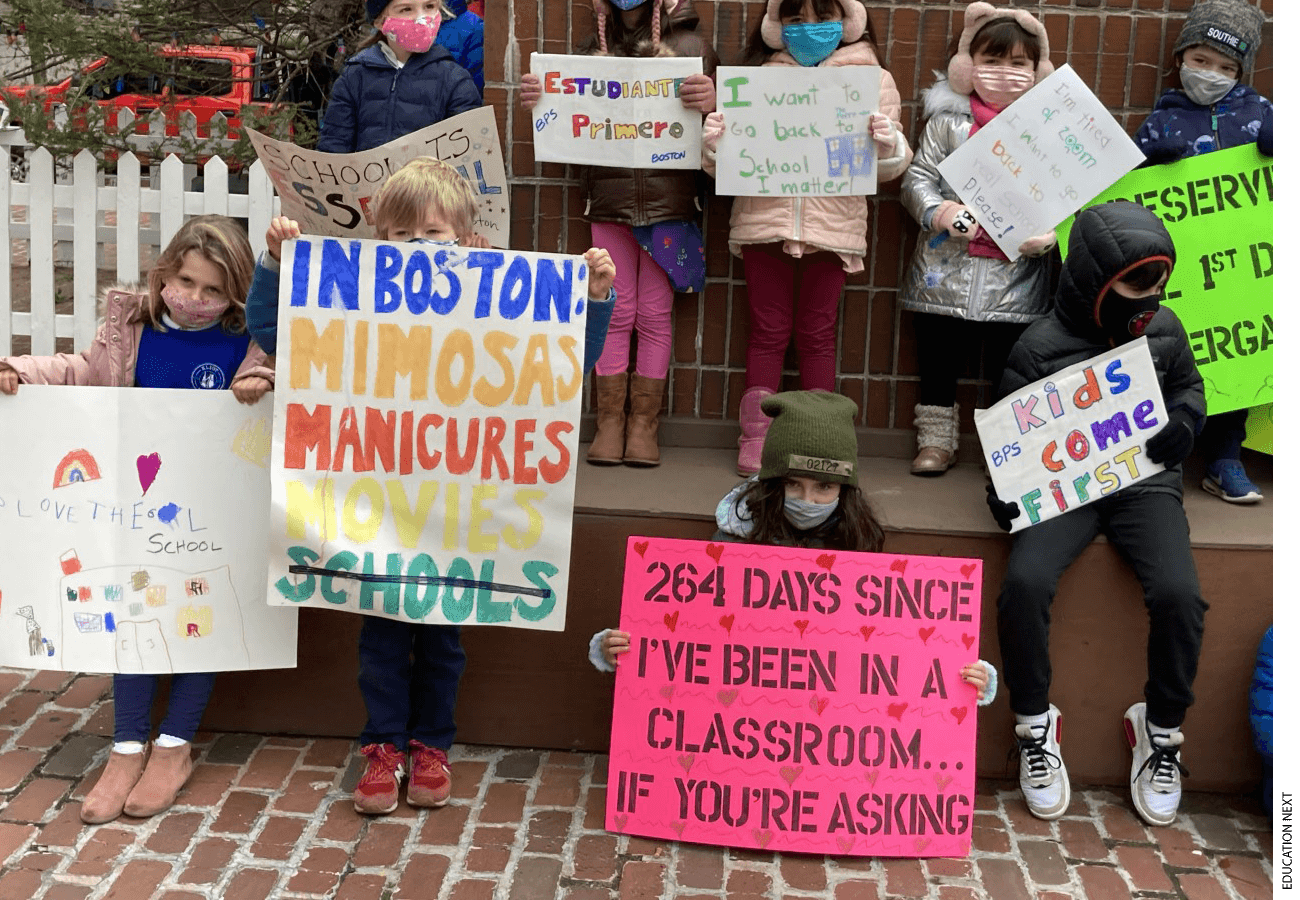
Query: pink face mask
x=999, y=85
x=412, y=35
x=192, y=310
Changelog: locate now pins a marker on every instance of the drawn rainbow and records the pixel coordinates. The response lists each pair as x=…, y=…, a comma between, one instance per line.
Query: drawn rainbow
x=76, y=467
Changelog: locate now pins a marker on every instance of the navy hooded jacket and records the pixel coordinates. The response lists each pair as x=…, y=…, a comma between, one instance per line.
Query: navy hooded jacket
x=1179, y=127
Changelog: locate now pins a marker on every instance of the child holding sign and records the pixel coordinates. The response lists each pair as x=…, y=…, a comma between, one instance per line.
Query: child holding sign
x=1214, y=111
x=797, y=251
x=193, y=307
x=410, y=672
x=805, y=494
x=648, y=219
x=399, y=82
x=960, y=285
x=1120, y=257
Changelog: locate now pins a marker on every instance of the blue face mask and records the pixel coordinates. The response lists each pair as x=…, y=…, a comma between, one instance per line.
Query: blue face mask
x=625, y=5
x=803, y=514
x=810, y=43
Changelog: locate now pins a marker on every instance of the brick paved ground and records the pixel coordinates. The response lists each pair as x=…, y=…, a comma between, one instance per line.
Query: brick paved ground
x=272, y=817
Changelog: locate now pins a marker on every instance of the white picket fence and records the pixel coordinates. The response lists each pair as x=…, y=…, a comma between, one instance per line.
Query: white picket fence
x=74, y=222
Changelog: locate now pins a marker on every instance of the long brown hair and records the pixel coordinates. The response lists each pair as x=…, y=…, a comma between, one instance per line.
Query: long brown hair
x=853, y=525
x=221, y=241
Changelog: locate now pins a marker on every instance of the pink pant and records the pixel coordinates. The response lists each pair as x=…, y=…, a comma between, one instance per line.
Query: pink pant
x=645, y=300
x=777, y=311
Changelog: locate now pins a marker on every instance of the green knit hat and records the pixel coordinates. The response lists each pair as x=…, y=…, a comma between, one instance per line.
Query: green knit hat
x=811, y=434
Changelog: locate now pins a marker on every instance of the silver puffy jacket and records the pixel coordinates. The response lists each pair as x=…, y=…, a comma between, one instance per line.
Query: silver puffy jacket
x=946, y=279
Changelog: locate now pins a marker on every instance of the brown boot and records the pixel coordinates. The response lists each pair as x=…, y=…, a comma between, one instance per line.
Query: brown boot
x=611, y=396
x=168, y=770
x=105, y=801
x=643, y=423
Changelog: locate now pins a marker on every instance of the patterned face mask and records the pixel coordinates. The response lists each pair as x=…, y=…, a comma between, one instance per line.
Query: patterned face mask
x=191, y=309
x=1124, y=318
x=412, y=35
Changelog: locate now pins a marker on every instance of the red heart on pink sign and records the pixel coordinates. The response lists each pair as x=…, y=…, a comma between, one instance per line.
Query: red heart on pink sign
x=715, y=551
x=640, y=547
x=896, y=710
x=670, y=619
x=727, y=621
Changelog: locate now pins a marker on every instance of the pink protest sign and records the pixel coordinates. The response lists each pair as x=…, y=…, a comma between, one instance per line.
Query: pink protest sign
x=805, y=701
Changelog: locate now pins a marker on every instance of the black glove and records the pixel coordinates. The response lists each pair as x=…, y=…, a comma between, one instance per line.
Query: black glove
x=1171, y=445
x=1165, y=149
x=1264, y=141
x=1003, y=512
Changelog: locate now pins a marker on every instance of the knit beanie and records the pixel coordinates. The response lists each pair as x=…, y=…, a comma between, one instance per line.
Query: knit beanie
x=1231, y=27
x=374, y=8
x=811, y=434
x=854, y=22
x=978, y=15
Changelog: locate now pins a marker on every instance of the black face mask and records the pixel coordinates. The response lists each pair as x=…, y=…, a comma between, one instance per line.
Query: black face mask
x=1123, y=318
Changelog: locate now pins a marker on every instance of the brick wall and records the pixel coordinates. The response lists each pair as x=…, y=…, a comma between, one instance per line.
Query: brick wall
x=1120, y=48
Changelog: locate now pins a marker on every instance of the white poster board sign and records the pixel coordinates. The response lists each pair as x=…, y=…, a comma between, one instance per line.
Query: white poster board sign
x=425, y=432
x=1077, y=435
x=615, y=111
x=1040, y=159
x=134, y=533
x=797, y=132
x=331, y=193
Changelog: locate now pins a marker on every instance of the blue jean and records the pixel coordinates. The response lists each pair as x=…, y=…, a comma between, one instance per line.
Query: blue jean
x=186, y=700
x=409, y=676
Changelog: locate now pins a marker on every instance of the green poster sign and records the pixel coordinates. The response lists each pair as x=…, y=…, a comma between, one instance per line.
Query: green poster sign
x=1219, y=209
x=1259, y=429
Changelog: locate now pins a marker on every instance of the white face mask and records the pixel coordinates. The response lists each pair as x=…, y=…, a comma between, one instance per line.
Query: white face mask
x=1205, y=86
x=803, y=514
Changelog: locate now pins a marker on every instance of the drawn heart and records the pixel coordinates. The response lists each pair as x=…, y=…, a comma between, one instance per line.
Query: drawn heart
x=763, y=838
x=867, y=631
x=147, y=468
x=817, y=704
x=826, y=560
x=791, y=773
x=726, y=698
x=920, y=844
x=942, y=781
x=968, y=639
x=801, y=624
x=666, y=691
x=924, y=633
x=686, y=760
x=845, y=843
x=727, y=621
x=967, y=569
x=871, y=777
x=640, y=547
x=899, y=566
x=670, y=619
x=678, y=827
x=896, y=710
x=620, y=823
x=959, y=713
x=715, y=551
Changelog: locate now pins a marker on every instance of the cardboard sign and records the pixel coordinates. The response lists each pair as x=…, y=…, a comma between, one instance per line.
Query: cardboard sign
x=134, y=533
x=1218, y=208
x=800, y=701
x=1039, y=160
x=1075, y=436
x=615, y=111
x=796, y=132
x=331, y=193
x=425, y=431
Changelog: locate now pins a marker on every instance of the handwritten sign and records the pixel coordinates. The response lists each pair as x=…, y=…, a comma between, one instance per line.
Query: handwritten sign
x=331, y=193
x=796, y=132
x=615, y=111
x=1039, y=160
x=1077, y=435
x=1218, y=208
x=796, y=700
x=134, y=533
x=425, y=431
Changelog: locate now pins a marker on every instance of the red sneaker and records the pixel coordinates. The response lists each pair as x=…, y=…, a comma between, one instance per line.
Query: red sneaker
x=377, y=791
x=430, y=777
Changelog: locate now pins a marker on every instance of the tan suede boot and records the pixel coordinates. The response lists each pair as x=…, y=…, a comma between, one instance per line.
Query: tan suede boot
x=611, y=396
x=168, y=770
x=105, y=801
x=936, y=436
x=642, y=447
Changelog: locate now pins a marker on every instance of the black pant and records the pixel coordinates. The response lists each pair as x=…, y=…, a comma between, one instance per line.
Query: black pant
x=1149, y=529
x=943, y=344
x=1222, y=436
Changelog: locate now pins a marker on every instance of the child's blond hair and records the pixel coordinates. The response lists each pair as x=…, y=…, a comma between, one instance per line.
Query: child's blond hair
x=221, y=241
x=423, y=184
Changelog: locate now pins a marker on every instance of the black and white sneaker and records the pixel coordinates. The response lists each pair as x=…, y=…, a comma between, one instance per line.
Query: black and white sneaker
x=1043, y=779
x=1155, y=777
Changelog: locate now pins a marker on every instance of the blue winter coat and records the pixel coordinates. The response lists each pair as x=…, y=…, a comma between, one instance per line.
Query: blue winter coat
x=373, y=102
x=463, y=39
x=1179, y=127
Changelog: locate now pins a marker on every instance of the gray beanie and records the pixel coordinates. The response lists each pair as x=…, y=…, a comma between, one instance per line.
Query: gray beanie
x=1232, y=27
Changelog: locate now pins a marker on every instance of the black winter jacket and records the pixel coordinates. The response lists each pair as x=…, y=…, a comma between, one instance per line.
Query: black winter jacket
x=1106, y=240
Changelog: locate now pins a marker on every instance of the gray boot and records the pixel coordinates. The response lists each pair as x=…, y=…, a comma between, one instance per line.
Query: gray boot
x=936, y=435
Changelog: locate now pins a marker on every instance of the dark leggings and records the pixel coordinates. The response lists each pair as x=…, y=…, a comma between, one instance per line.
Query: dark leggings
x=1223, y=433
x=943, y=345
x=186, y=700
